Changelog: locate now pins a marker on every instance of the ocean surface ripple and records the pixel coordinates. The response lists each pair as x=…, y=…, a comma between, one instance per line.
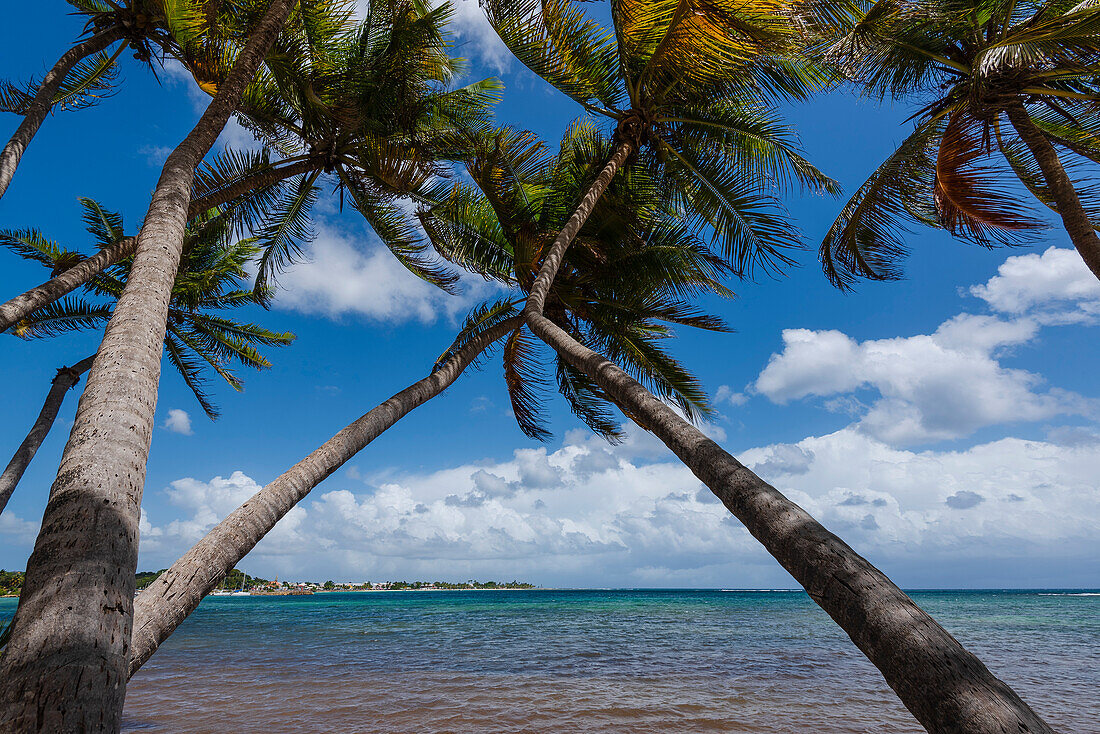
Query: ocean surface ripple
x=584, y=661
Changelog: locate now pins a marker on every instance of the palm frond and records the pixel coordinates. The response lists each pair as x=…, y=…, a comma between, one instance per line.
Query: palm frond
x=526, y=383
x=69, y=314
x=481, y=318
x=555, y=40
x=190, y=369
x=88, y=82
x=588, y=402
x=104, y=225
x=967, y=202
x=286, y=229
x=866, y=240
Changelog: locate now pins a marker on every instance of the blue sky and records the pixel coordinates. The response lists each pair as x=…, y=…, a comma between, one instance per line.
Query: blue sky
x=945, y=425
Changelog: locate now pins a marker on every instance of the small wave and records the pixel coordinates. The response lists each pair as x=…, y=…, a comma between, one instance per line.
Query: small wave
x=1067, y=593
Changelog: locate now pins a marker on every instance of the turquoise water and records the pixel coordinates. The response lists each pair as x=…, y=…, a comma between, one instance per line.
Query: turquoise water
x=569, y=661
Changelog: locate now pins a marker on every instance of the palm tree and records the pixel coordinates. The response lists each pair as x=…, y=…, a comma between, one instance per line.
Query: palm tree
x=373, y=112
x=65, y=664
x=689, y=85
x=684, y=46
x=173, y=595
x=1004, y=86
x=369, y=109
x=249, y=202
x=182, y=29
x=198, y=338
x=633, y=269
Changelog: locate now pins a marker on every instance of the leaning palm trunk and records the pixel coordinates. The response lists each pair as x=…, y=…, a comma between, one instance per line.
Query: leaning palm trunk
x=65, y=379
x=552, y=261
x=945, y=686
x=175, y=593
x=65, y=666
x=83, y=272
x=42, y=103
x=1074, y=218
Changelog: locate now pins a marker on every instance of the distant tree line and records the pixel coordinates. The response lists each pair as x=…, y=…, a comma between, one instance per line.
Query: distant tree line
x=463, y=585
x=10, y=582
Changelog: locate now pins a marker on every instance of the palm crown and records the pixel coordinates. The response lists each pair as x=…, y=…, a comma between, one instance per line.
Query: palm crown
x=689, y=85
x=991, y=75
x=626, y=279
x=199, y=338
x=191, y=31
x=367, y=105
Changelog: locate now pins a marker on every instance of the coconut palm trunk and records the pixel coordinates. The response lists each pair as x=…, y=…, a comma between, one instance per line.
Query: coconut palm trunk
x=945, y=686
x=552, y=261
x=175, y=593
x=65, y=379
x=65, y=666
x=42, y=103
x=1074, y=218
x=65, y=282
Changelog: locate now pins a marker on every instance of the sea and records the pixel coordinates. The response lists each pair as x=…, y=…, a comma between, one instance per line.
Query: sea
x=614, y=660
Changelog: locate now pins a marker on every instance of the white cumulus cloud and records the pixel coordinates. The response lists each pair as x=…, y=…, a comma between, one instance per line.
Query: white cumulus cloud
x=590, y=514
x=346, y=276
x=178, y=421
x=952, y=382
x=1057, y=278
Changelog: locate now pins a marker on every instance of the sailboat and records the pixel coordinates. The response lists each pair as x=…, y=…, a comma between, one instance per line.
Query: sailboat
x=231, y=592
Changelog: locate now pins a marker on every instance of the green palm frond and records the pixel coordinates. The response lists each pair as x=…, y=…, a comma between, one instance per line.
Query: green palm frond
x=481, y=318
x=69, y=314
x=30, y=244
x=16, y=98
x=761, y=146
x=105, y=226
x=867, y=238
x=636, y=351
x=398, y=233
x=526, y=383
x=555, y=40
x=588, y=402
x=751, y=226
x=684, y=48
x=190, y=369
x=200, y=336
x=464, y=231
x=286, y=229
x=89, y=81
x=249, y=212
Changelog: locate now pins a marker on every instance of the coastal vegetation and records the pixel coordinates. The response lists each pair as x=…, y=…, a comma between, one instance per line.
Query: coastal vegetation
x=670, y=186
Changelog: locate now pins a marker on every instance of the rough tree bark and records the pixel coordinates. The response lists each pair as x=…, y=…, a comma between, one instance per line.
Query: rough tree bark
x=1074, y=217
x=65, y=666
x=175, y=593
x=65, y=379
x=65, y=282
x=43, y=101
x=552, y=261
x=946, y=687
